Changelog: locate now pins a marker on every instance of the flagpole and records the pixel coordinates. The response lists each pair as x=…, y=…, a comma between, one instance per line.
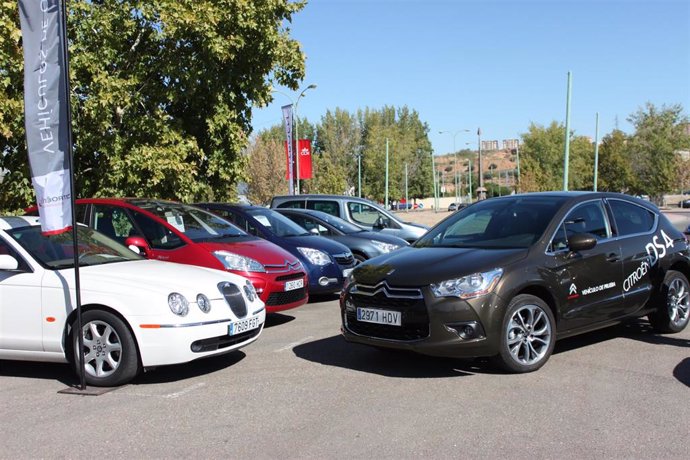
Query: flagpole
x=70, y=158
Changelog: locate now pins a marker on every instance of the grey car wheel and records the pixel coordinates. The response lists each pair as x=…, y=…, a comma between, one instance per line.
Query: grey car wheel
x=528, y=334
x=674, y=309
x=110, y=354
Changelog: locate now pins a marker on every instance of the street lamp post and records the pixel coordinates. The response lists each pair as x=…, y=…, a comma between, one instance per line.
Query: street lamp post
x=359, y=170
x=312, y=86
x=482, y=192
x=296, y=123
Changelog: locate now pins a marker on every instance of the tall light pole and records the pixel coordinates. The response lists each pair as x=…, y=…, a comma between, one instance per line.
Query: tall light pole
x=517, y=153
x=566, y=155
x=455, y=156
x=482, y=192
x=359, y=170
x=433, y=175
x=312, y=86
x=596, y=152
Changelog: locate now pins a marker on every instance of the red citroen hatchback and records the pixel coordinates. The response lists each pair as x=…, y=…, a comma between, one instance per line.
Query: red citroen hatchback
x=175, y=232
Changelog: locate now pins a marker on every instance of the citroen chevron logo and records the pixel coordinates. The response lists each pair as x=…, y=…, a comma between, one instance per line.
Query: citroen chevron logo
x=573, y=292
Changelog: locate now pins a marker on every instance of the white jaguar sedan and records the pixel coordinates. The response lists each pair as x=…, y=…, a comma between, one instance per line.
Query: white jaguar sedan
x=136, y=313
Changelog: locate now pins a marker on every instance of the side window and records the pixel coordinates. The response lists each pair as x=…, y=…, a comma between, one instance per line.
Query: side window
x=6, y=249
x=81, y=214
x=630, y=218
x=292, y=204
x=113, y=222
x=240, y=221
x=329, y=207
x=157, y=234
x=302, y=221
x=311, y=223
x=363, y=213
x=585, y=218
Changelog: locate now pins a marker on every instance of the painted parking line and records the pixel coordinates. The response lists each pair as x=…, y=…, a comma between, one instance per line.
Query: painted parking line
x=293, y=344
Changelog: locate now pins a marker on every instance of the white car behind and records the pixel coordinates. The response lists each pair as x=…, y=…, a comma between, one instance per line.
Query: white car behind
x=136, y=313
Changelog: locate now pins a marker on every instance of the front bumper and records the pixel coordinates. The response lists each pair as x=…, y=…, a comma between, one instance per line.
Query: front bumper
x=162, y=342
x=271, y=290
x=429, y=325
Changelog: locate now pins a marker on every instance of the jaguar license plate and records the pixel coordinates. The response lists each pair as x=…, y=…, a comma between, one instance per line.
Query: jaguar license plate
x=294, y=284
x=374, y=315
x=243, y=325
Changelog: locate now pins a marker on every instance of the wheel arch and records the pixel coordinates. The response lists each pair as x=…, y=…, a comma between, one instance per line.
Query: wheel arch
x=544, y=294
x=682, y=267
x=89, y=307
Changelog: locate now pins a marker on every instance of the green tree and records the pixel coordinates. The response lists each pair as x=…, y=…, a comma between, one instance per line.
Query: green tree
x=659, y=135
x=615, y=169
x=408, y=143
x=162, y=92
x=541, y=159
x=339, y=134
x=266, y=177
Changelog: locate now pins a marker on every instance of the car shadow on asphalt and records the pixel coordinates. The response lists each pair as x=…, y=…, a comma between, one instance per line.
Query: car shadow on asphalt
x=318, y=298
x=64, y=373
x=335, y=351
x=277, y=319
x=682, y=372
x=61, y=372
x=639, y=330
x=175, y=372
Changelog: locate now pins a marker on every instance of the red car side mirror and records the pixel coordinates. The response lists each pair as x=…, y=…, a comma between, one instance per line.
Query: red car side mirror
x=139, y=245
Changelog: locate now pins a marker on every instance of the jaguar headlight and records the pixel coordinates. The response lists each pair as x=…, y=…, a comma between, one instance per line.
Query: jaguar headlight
x=315, y=256
x=178, y=304
x=384, y=248
x=232, y=261
x=468, y=287
x=203, y=303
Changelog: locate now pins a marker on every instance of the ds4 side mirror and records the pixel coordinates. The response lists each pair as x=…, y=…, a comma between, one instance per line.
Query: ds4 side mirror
x=581, y=242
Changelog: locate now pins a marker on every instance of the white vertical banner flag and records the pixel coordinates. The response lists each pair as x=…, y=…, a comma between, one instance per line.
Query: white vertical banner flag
x=287, y=121
x=46, y=111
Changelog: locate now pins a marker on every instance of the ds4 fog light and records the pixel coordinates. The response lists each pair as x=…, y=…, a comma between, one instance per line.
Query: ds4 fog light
x=470, y=330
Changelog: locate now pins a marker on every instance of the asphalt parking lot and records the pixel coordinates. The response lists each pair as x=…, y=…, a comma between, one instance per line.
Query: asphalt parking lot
x=300, y=391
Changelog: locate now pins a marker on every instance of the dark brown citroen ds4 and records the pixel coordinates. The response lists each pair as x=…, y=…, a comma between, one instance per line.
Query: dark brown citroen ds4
x=507, y=277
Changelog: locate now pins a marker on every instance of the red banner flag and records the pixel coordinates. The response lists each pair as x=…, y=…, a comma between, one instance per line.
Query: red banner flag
x=304, y=152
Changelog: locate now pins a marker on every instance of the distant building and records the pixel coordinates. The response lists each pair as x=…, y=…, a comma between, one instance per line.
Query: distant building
x=489, y=145
x=511, y=144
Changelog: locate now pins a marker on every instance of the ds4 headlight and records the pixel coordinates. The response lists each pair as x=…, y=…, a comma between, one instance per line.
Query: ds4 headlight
x=468, y=287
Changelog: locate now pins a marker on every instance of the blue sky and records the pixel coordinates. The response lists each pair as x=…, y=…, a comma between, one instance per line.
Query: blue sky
x=497, y=64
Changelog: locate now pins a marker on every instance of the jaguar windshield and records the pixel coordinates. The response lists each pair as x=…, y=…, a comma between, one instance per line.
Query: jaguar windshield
x=57, y=251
